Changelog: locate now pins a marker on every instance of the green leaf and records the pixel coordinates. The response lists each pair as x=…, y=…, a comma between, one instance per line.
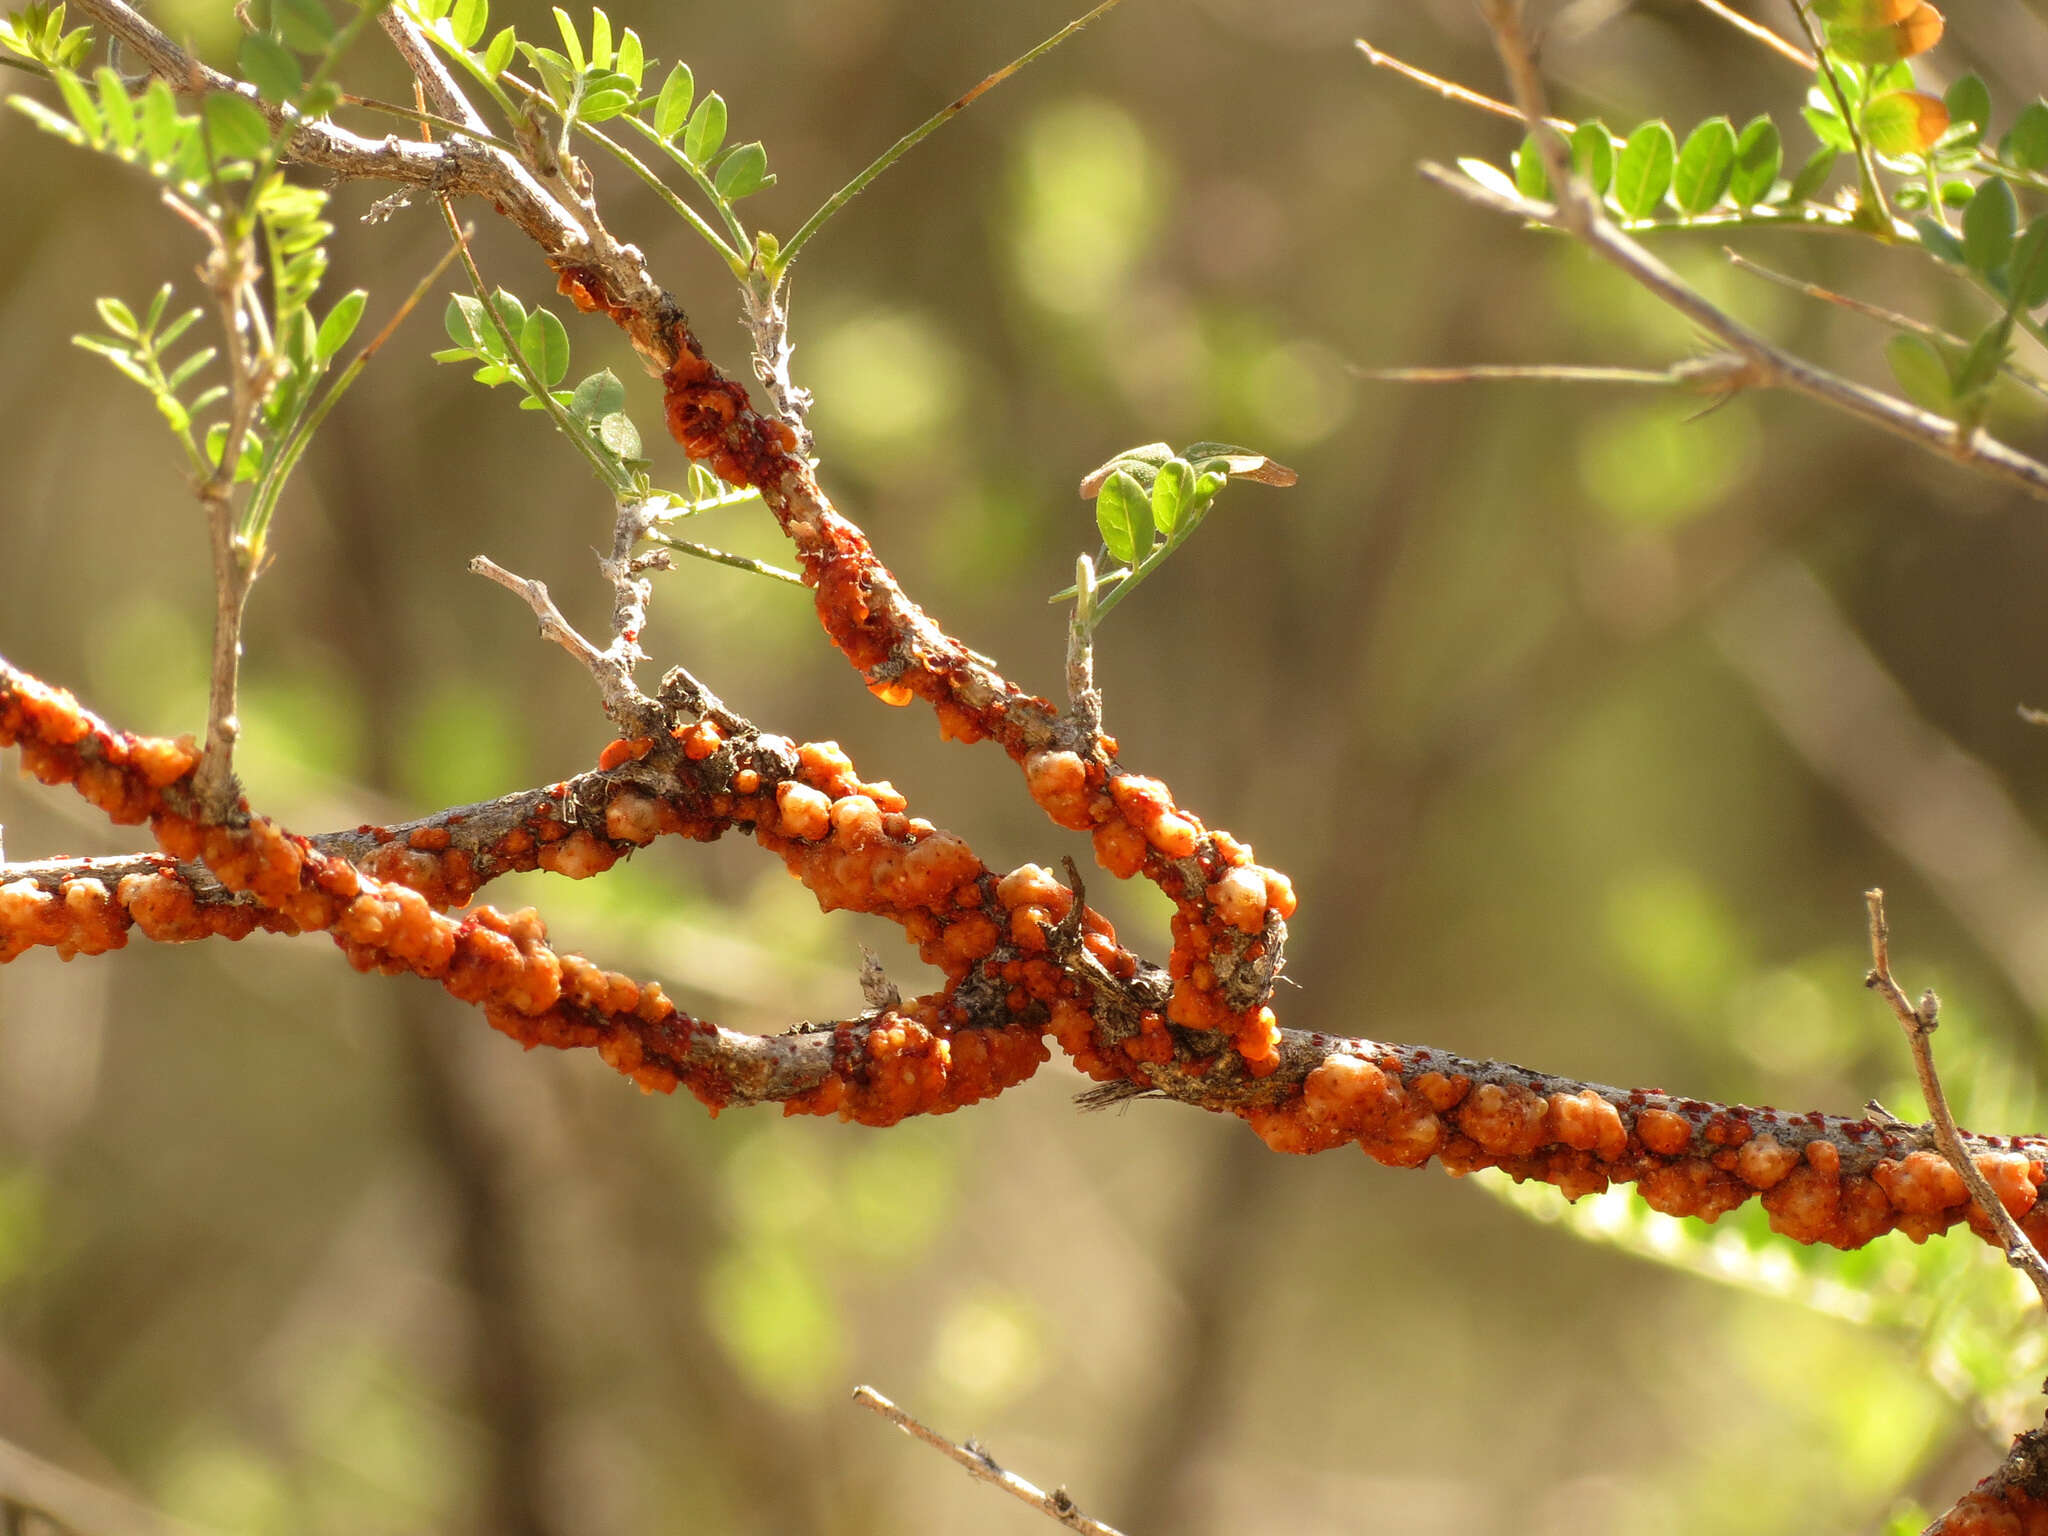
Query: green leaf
x=181, y=375
x=499, y=54
x=1988, y=227
x=1812, y=176
x=1705, y=166
x=672, y=108
x=119, y=317
x=177, y=327
x=116, y=106
x=1981, y=363
x=1121, y=511
x=1593, y=156
x=601, y=104
x=555, y=74
x=271, y=67
x=1643, y=174
x=1758, y=154
x=1173, y=492
x=632, y=60
x=464, y=322
x=1937, y=241
x=304, y=24
x=2025, y=144
x=1531, y=179
x=600, y=39
x=1897, y=123
x=236, y=128
x=340, y=324
x=1828, y=128
x=48, y=121
x=511, y=312
x=545, y=345
x=570, y=41
x=84, y=110
x=163, y=127
x=2028, y=274
x=598, y=396
x=1969, y=101
x=617, y=432
x=1922, y=372
x=706, y=131
x=743, y=172
x=1488, y=175
x=468, y=20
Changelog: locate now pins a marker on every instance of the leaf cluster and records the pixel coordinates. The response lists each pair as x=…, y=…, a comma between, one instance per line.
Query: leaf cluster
x=1148, y=502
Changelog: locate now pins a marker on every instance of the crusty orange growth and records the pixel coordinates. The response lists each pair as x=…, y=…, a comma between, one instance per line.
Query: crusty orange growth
x=854, y=845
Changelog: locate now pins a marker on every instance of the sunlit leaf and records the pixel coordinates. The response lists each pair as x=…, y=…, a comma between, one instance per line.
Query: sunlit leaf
x=1124, y=515
x=743, y=172
x=545, y=345
x=1758, y=154
x=1904, y=122
x=617, y=432
x=672, y=108
x=1173, y=492
x=706, y=131
x=340, y=324
x=236, y=128
x=1593, y=156
x=1643, y=173
x=1704, y=167
x=598, y=396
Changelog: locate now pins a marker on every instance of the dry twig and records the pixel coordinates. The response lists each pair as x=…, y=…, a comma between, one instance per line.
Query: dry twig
x=1919, y=1021
x=977, y=1461
x=1763, y=34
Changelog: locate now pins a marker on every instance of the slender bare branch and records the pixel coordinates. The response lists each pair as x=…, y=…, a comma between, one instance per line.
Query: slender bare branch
x=1877, y=312
x=1763, y=34
x=1772, y=366
x=1919, y=1021
x=611, y=669
x=1055, y=1505
x=1543, y=373
x=1449, y=90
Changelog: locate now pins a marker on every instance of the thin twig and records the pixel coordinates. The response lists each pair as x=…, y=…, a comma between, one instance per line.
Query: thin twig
x=1449, y=90
x=1762, y=34
x=1084, y=699
x=1548, y=373
x=1772, y=366
x=1879, y=313
x=1919, y=1021
x=983, y=1466
x=230, y=272
x=627, y=707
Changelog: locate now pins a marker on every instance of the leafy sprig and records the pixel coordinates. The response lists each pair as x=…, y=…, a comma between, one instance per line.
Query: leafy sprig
x=1148, y=503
